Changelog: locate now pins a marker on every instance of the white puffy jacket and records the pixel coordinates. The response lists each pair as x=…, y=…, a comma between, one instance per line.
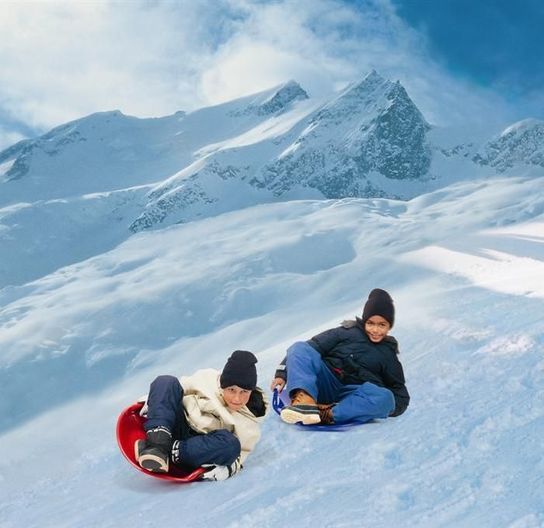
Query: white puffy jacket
x=207, y=411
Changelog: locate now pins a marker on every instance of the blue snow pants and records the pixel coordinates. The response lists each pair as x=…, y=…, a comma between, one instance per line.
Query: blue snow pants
x=165, y=408
x=356, y=403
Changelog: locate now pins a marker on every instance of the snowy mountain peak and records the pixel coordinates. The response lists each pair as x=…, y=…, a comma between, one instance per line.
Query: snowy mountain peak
x=371, y=83
x=102, y=152
x=35, y=151
x=283, y=96
x=369, y=99
x=94, y=122
x=375, y=91
x=519, y=144
x=371, y=127
x=522, y=126
x=357, y=97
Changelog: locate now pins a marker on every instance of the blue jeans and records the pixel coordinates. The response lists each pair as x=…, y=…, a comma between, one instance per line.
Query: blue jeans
x=355, y=403
x=165, y=408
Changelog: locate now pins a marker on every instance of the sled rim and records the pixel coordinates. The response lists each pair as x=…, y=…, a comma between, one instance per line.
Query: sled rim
x=129, y=429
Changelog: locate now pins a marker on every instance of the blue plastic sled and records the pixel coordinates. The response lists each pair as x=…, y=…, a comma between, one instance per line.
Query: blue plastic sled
x=281, y=399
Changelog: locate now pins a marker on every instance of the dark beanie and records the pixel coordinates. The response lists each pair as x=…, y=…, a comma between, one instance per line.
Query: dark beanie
x=379, y=303
x=240, y=370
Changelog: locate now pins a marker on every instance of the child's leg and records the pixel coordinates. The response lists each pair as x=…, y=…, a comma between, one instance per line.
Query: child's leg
x=165, y=407
x=219, y=447
x=364, y=403
x=307, y=371
x=164, y=419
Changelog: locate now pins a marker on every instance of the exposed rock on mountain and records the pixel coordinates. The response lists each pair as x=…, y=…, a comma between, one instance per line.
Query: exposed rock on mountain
x=520, y=143
x=370, y=126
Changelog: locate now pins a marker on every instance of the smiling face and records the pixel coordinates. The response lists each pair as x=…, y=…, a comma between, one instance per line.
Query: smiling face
x=376, y=328
x=235, y=397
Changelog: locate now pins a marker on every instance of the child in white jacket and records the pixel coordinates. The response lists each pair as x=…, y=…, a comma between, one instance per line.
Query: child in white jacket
x=209, y=419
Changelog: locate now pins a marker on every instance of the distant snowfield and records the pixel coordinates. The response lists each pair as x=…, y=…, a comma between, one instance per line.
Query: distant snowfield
x=465, y=266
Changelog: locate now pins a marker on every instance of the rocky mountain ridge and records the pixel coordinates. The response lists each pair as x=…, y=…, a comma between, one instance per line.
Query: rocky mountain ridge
x=520, y=143
x=117, y=174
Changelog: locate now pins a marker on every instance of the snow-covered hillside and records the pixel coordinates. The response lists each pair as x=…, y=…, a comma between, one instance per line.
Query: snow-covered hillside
x=465, y=267
x=104, y=177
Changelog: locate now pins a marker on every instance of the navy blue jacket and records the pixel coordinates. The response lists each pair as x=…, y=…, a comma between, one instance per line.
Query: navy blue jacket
x=354, y=359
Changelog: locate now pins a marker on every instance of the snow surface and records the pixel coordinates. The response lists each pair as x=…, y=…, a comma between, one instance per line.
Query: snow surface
x=105, y=176
x=465, y=265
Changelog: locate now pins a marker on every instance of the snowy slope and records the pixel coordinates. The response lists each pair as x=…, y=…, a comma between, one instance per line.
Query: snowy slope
x=92, y=183
x=465, y=267
x=90, y=180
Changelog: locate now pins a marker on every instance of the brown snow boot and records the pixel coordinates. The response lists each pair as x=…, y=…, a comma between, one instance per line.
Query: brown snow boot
x=303, y=409
x=325, y=413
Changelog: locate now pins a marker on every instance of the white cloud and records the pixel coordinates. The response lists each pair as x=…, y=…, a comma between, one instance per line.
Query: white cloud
x=65, y=59
x=325, y=43
x=9, y=137
x=62, y=60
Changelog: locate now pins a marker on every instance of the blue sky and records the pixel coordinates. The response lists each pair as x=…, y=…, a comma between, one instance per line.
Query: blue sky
x=461, y=61
x=495, y=43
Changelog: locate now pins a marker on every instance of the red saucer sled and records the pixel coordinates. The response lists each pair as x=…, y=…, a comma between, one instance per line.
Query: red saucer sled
x=130, y=427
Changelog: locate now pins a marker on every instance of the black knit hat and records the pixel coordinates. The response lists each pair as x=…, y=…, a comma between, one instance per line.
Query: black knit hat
x=379, y=303
x=240, y=370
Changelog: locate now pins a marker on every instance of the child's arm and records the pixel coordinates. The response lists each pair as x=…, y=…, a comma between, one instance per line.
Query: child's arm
x=322, y=343
x=393, y=376
x=280, y=376
x=326, y=341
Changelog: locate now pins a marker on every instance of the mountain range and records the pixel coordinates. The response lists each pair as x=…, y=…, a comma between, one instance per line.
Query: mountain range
x=108, y=175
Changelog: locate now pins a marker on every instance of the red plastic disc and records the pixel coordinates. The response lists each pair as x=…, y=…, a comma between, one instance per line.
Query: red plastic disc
x=130, y=427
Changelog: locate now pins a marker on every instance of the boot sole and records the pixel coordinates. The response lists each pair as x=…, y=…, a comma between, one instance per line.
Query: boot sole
x=150, y=462
x=293, y=416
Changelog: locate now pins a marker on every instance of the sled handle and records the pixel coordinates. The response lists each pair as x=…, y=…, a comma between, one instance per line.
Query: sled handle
x=277, y=404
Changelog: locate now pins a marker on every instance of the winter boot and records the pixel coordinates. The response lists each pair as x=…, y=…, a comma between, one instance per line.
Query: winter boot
x=325, y=413
x=303, y=409
x=153, y=453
